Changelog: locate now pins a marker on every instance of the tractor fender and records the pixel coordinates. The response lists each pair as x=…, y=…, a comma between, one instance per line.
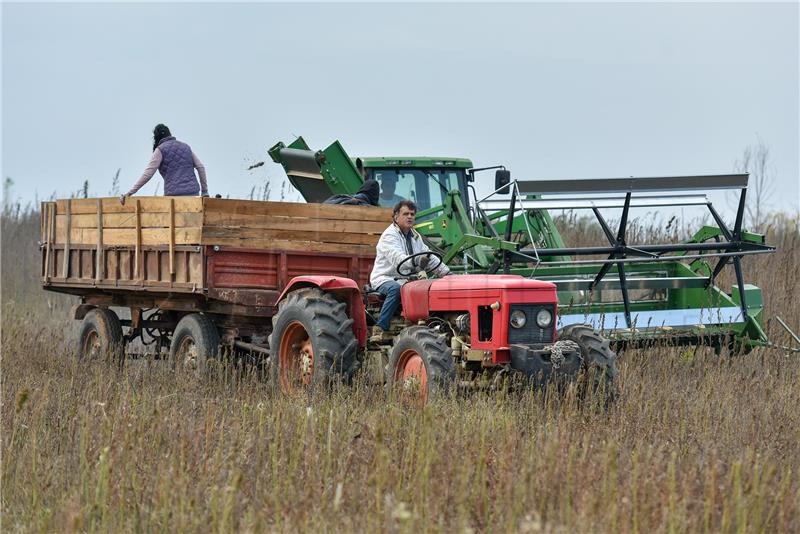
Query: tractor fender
x=344, y=290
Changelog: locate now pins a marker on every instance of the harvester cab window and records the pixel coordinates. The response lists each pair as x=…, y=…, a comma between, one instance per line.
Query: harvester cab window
x=440, y=183
x=426, y=187
x=393, y=188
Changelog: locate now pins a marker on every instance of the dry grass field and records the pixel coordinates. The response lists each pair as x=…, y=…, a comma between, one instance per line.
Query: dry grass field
x=695, y=442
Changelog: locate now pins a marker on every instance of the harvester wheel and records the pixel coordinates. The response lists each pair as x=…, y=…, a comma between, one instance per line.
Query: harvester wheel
x=599, y=361
x=195, y=345
x=101, y=337
x=312, y=341
x=421, y=365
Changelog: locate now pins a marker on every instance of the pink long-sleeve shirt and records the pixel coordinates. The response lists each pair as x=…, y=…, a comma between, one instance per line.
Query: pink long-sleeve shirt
x=155, y=163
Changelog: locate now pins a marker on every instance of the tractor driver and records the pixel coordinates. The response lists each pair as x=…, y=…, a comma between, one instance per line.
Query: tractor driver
x=388, y=180
x=396, y=243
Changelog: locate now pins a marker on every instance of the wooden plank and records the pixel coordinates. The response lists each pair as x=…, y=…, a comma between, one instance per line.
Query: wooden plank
x=75, y=260
x=212, y=234
x=42, y=219
x=297, y=209
x=112, y=263
x=280, y=222
x=195, y=269
x=128, y=236
x=164, y=266
x=301, y=246
x=49, y=239
x=67, y=225
x=138, y=238
x=151, y=267
x=171, y=237
x=133, y=284
x=125, y=265
x=99, y=257
x=86, y=264
x=128, y=220
x=146, y=205
x=180, y=269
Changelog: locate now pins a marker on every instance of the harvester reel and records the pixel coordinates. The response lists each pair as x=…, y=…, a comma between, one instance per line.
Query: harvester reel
x=428, y=269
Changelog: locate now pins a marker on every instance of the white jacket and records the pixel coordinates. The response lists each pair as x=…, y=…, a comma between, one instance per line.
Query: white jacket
x=392, y=250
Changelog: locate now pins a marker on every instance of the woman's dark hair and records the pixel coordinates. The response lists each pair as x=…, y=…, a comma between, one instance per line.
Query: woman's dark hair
x=159, y=133
x=404, y=203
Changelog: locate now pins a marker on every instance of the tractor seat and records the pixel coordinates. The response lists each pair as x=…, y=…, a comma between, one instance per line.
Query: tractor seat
x=371, y=296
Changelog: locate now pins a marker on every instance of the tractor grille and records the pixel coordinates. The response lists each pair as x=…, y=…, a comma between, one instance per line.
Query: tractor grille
x=531, y=332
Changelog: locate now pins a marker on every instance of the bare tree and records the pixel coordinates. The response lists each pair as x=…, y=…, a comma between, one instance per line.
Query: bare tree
x=756, y=161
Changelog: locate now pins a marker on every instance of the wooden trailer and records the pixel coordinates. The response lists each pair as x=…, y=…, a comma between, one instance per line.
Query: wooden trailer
x=166, y=257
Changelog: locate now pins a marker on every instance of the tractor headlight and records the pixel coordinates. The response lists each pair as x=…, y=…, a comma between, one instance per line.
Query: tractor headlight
x=544, y=318
x=518, y=319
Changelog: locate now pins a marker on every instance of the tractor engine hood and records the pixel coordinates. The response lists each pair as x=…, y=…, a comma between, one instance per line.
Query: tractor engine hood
x=468, y=291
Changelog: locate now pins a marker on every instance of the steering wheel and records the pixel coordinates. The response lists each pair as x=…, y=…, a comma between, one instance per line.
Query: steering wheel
x=428, y=269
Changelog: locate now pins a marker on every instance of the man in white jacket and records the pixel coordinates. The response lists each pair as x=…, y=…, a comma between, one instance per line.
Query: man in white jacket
x=398, y=242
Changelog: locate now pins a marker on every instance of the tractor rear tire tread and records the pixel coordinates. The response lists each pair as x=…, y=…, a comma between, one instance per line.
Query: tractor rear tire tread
x=331, y=331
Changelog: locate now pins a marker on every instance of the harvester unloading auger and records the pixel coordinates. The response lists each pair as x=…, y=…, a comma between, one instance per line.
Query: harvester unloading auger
x=634, y=293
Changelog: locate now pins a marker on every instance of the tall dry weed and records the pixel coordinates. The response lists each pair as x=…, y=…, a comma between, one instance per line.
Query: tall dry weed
x=695, y=442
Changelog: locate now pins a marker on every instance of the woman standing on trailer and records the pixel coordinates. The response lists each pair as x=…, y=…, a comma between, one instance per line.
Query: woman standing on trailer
x=176, y=162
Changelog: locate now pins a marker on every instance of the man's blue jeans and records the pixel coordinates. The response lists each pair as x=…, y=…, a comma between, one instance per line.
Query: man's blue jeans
x=391, y=290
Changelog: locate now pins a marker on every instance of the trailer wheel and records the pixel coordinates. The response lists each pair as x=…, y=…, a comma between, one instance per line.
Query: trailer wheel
x=421, y=365
x=195, y=344
x=312, y=341
x=101, y=337
x=599, y=361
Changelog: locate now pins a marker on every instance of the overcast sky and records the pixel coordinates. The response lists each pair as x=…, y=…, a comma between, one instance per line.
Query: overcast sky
x=551, y=91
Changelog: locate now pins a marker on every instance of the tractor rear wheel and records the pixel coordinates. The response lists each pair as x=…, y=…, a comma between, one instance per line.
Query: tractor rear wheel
x=195, y=345
x=421, y=365
x=101, y=337
x=312, y=341
x=599, y=361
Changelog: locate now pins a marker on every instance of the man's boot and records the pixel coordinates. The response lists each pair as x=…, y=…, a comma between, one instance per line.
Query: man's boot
x=379, y=335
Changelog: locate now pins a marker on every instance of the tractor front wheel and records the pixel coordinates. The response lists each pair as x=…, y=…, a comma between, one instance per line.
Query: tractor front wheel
x=599, y=361
x=312, y=341
x=421, y=365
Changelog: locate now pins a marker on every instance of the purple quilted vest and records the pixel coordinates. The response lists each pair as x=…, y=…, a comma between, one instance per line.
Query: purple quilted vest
x=177, y=168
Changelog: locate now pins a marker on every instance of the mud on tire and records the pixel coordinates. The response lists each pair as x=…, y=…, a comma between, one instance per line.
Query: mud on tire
x=312, y=341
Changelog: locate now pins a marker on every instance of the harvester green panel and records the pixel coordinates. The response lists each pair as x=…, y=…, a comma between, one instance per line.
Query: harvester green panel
x=317, y=175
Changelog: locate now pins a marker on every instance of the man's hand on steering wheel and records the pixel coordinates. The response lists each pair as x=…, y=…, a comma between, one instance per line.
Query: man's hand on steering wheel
x=420, y=260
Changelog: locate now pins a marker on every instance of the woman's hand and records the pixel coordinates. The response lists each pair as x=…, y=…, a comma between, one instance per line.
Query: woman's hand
x=122, y=198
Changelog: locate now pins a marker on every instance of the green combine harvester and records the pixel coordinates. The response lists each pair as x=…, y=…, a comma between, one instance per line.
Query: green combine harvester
x=633, y=293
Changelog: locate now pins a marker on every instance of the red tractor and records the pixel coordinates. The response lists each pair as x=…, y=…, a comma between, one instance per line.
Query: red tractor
x=461, y=330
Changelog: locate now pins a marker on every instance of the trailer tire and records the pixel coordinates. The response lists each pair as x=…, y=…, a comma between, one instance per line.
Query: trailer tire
x=312, y=342
x=421, y=359
x=599, y=361
x=195, y=345
x=101, y=337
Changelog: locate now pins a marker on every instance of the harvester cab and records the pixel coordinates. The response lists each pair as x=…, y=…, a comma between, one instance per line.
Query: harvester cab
x=633, y=292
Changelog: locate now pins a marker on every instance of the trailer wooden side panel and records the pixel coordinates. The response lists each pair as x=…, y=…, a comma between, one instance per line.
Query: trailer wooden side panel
x=235, y=253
